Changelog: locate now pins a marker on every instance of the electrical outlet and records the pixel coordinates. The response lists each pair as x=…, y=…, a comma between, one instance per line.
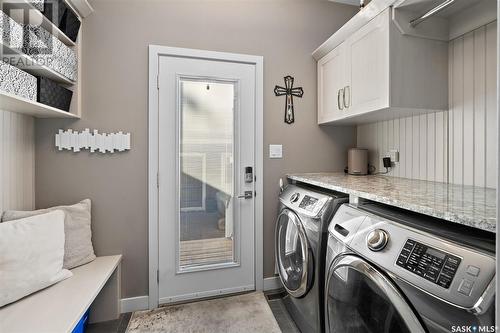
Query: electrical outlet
x=394, y=155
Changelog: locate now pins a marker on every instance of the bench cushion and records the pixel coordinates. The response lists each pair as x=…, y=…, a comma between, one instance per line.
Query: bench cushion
x=31, y=255
x=78, y=249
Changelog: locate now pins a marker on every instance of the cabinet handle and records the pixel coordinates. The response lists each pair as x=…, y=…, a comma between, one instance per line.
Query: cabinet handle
x=347, y=101
x=339, y=102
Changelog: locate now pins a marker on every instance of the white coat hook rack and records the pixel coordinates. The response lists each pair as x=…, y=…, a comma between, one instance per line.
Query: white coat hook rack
x=94, y=141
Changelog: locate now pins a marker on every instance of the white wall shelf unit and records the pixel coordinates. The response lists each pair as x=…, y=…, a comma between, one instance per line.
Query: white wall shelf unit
x=12, y=103
x=35, y=17
x=37, y=70
x=82, y=7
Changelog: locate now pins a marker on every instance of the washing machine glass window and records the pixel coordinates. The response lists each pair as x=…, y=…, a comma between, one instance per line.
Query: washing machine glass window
x=361, y=299
x=292, y=253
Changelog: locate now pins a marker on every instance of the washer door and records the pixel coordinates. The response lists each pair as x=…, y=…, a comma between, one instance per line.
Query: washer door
x=359, y=298
x=292, y=253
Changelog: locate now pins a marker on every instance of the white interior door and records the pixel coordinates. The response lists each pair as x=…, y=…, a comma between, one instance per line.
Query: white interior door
x=206, y=141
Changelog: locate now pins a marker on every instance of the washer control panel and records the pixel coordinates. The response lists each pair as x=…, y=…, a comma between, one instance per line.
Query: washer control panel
x=308, y=203
x=432, y=264
x=449, y=271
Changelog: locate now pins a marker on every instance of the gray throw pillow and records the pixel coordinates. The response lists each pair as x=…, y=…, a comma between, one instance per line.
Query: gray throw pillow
x=78, y=249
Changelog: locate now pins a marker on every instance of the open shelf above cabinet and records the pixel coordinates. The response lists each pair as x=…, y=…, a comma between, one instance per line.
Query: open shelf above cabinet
x=12, y=103
x=35, y=17
x=456, y=19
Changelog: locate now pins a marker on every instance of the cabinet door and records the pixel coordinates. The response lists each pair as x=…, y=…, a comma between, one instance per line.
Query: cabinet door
x=367, y=52
x=331, y=79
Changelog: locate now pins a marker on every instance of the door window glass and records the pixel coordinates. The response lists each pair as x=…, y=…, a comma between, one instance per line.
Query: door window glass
x=206, y=167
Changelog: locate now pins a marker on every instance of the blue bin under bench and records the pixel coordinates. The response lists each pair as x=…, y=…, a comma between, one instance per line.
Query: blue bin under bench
x=82, y=324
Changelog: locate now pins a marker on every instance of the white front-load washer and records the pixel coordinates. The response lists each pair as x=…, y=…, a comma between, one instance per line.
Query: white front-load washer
x=390, y=270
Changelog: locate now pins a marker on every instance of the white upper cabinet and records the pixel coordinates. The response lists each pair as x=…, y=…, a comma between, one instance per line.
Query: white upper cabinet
x=367, y=81
x=378, y=73
x=331, y=81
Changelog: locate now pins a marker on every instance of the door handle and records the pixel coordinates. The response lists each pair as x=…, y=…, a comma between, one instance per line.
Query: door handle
x=347, y=88
x=246, y=195
x=339, y=103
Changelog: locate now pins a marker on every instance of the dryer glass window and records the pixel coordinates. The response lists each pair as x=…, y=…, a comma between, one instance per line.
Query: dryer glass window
x=292, y=253
x=355, y=303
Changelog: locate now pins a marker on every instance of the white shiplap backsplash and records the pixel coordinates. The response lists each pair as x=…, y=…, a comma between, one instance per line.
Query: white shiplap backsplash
x=17, y=161
x=458, y=145
x=421, y=141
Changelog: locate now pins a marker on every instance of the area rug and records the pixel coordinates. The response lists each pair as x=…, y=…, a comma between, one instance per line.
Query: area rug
x=247, y=313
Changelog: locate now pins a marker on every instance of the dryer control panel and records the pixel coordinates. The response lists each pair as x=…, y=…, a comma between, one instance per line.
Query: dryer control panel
x=308, y=203
x=432, y=264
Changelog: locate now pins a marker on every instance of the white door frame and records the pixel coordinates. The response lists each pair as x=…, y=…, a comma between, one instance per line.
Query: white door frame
x=156, y=51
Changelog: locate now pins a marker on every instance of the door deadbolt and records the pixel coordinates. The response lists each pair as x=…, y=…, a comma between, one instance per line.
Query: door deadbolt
x=247, y=195
x=248, y=175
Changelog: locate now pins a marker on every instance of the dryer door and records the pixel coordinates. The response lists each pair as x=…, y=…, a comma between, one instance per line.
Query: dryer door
x=292, y=253
x=359, y=298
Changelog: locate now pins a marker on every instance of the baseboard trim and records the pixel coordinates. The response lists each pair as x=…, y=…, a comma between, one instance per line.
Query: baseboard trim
x=134, y=304
x=272, y=283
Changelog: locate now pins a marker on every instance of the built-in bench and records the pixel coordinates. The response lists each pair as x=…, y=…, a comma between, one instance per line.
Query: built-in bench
x=59, y=308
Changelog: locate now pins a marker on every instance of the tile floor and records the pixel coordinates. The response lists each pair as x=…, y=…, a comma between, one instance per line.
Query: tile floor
x=274, y=298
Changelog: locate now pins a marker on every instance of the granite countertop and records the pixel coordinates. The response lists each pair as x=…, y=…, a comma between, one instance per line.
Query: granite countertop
x=468, y=205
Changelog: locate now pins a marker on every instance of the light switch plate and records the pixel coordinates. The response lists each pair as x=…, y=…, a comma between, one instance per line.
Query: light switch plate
x=275, y=151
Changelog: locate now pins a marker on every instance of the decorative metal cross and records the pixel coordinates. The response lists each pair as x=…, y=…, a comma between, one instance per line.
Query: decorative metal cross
x=289, y=91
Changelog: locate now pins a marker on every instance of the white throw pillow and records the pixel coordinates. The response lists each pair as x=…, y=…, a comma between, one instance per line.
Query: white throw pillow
x=31, y=255
x=78, y=249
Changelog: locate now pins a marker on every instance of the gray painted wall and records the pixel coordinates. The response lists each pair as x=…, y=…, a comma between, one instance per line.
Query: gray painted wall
x=115, y=40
